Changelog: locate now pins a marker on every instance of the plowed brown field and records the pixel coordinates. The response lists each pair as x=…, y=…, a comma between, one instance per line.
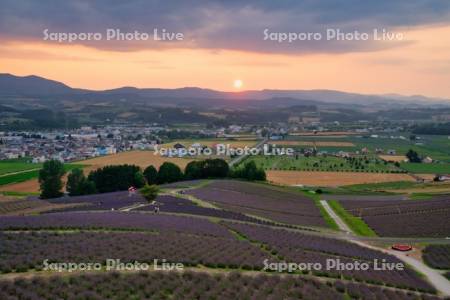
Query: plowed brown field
x=331, y=179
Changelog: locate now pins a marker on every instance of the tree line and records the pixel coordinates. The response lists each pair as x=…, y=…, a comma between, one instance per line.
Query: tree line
x=121, y=177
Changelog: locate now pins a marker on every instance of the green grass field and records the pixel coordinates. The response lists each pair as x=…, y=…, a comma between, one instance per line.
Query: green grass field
x=12, y=167
x=329, y=163
x=21, y=177
x=380, y=186
x=434, y=168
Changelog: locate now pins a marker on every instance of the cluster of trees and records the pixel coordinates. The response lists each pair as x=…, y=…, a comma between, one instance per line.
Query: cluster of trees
x=117, y=178
x=121, y=177
x=168, y=172
x=102, y=180
x=78, y=184
x=413, y=156
x=249, y=172
x=209, y=168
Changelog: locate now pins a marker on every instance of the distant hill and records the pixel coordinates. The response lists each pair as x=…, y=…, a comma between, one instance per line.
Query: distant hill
x=32, y=85
x=11, y=85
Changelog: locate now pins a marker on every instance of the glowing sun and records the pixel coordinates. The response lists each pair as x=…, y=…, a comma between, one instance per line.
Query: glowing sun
x=237, y=84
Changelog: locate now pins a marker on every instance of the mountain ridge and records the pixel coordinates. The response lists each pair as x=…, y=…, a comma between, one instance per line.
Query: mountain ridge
x=33, y=85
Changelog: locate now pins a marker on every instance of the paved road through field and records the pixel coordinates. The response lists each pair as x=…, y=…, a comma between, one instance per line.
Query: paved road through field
x=439, y=282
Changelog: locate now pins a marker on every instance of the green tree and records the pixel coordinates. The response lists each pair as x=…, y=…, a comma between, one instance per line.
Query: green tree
x=250, y=172
x=139, y=179
x=50, y=179
x=149, y=192
x=413, y=156
x=151, y=174
x=78, y=184
x=193, y=170
x=88, y=187
x=209, y=168
x=74, y=181
x=117, y=178
x=215, y=168
x=169, y=172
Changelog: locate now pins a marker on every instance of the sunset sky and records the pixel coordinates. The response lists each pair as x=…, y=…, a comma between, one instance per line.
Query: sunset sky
x=224, y=42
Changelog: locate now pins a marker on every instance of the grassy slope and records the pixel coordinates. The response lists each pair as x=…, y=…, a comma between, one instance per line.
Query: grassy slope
x=357, y=225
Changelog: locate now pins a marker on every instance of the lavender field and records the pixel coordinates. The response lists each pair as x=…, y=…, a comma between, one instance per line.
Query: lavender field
x=104, y=201
x=263, y=201
x=404, y=218
x=184, y=232
x=437, y=256
x=296, y=247
x=192, y=285
x=113, y=220
x=173, y=204
x=25, y=251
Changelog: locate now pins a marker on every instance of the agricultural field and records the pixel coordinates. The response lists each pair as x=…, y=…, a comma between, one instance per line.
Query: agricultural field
x=332, y=179
x=165, y=203
x=179, y=205
x=312, y=143
x=142, y=159
x=27, y=251
x=113, y=220
x=393, y=158
x=11, y=207
x=437, y=256
x=333, y=134
x=437, y=147
x=422, y=168
x=98, y=202
x=241, y=143
x=226, y=243
x=398, y=187
x=322, y=163
x=8, y=167
x=261, y=201
x=193, y=285
x=26, y=181
x=419, y=218
x=296, y=247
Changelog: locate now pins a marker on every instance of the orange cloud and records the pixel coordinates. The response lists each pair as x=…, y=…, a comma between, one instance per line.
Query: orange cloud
x=419, y=67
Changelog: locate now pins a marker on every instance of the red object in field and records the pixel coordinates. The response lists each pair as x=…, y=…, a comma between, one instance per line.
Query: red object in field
x=402, y=247
x=132, y=189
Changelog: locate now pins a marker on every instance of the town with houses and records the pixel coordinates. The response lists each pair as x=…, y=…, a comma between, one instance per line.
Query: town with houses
x=88, y=142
